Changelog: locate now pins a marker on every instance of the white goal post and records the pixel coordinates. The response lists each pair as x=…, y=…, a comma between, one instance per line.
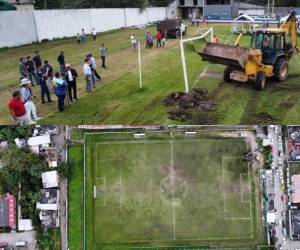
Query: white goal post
x=183, y=60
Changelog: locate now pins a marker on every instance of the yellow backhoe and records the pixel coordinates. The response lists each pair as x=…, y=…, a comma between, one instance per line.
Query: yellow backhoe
x=268, y=56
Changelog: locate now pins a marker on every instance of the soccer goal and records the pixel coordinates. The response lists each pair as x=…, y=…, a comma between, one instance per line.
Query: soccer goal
x=208, y=33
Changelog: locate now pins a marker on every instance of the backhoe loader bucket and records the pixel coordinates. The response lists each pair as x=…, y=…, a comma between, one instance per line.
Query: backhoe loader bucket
x=229, y=55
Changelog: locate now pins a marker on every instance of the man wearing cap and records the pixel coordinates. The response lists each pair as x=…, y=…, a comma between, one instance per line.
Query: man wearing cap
x=27, y=99
x=71, y=78
x=17, y=109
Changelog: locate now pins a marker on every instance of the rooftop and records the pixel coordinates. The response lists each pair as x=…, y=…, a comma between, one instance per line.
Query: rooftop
x=7, y=211
x=50, y=179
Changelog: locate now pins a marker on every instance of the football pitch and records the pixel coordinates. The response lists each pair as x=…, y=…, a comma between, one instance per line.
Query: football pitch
x=167, y=190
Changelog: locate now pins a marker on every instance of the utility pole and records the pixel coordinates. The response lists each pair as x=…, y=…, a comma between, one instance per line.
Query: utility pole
x=45, y=4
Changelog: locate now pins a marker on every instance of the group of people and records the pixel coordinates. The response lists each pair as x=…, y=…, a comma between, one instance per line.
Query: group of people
x=82, y=37
x=161, y=39
x=35, y=72
x=90, y=73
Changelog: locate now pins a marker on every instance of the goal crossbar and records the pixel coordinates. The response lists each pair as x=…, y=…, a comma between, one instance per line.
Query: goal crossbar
x=183, y=59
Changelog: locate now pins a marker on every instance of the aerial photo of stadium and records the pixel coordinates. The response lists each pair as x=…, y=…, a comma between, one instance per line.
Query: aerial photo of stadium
x=167, y=188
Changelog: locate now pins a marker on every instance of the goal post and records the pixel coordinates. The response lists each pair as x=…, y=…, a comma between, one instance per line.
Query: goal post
x=140, y=65
x=183, y=59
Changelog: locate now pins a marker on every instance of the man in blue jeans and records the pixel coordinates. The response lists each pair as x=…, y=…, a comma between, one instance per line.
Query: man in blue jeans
x=42, y=79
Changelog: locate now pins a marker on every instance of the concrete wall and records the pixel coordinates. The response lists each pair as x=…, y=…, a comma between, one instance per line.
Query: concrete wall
x=23, y=27
x=17, y=28
x=219, y=10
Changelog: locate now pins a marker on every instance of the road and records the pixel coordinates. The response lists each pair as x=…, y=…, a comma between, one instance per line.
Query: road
x=60, y=141
x=12, y=238
x=278, y=192
x=280, y=204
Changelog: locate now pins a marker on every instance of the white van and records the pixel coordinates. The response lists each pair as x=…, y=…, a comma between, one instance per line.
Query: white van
x=21, y=243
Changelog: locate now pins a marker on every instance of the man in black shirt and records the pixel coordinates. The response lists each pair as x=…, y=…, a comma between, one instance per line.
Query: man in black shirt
x=31, y=71
x=70, y=77
x=42, y=79
x=61, y=61
x=37, y=61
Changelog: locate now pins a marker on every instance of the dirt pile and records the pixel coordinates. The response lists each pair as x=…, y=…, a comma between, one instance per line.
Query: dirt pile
x=182, y=106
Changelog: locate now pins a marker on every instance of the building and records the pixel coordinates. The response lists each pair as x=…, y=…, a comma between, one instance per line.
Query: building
x=7, y=211
x=295, y=189
x=49, y=208
x=295, y=224
x=50, y=179
x=49, y=200
x=189, y=9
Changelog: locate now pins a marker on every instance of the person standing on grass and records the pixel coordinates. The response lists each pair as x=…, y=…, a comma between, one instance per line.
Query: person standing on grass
x=71, y=79
x=60, y=90
x=93, y=65
x=47, y=70
x=37, y=61
x=78, y=38
x=17, y=109
x=87, y=72
x=94, y=34
x=31, y=70
x=133, y=40
x=42, y=79
x=159, y=37
x=165, y=38
x=23, y=69
x=103, y=54
x=27, y=99
x=61, y=61
x=83, y=36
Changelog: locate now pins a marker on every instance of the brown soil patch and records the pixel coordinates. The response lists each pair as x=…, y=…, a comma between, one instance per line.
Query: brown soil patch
x=183, y=105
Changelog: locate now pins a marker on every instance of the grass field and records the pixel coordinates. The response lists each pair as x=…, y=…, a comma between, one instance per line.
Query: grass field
x=118, y=100
x=168, y=191
x=75, y=198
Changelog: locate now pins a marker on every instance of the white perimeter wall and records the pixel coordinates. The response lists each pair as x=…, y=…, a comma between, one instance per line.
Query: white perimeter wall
x=23, y=27
x=17, y=29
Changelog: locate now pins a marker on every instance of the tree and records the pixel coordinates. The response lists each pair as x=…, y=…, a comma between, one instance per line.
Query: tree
x=55, y=4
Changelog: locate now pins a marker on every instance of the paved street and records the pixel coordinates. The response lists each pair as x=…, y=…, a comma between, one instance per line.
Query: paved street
x=280, y=204
x=59, y=141
x=12, y=238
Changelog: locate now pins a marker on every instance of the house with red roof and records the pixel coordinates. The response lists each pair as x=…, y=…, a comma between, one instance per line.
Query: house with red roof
x=8, y=211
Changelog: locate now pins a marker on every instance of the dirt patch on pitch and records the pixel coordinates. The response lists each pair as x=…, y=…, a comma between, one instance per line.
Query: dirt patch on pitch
x=182, y=106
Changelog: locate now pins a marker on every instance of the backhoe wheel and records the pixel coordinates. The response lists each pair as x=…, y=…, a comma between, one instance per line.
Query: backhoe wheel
x=281, y=70
x=227, y=73
x=261, y=80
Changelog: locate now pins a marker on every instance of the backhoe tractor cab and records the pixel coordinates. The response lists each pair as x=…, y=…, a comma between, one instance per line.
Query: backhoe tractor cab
x=268, y=55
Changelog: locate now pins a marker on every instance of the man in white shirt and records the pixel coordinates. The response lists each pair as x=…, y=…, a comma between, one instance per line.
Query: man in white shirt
x=27, y=98
x=133, y=41
x=88, y=75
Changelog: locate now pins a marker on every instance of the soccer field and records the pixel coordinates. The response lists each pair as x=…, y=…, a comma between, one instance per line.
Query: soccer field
x=167, y=191
x=119, y=100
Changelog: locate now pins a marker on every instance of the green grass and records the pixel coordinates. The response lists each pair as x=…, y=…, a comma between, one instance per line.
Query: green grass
x=168, y=192
x=75, y=195
x=120, y=101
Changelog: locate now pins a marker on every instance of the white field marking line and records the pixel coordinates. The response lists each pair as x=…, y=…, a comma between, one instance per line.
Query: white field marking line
x=224, y=194
x=166, y=141
x=168, y=240
x=120, y=193
x=172, y=164
x=84, y=198
x=192, y=247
